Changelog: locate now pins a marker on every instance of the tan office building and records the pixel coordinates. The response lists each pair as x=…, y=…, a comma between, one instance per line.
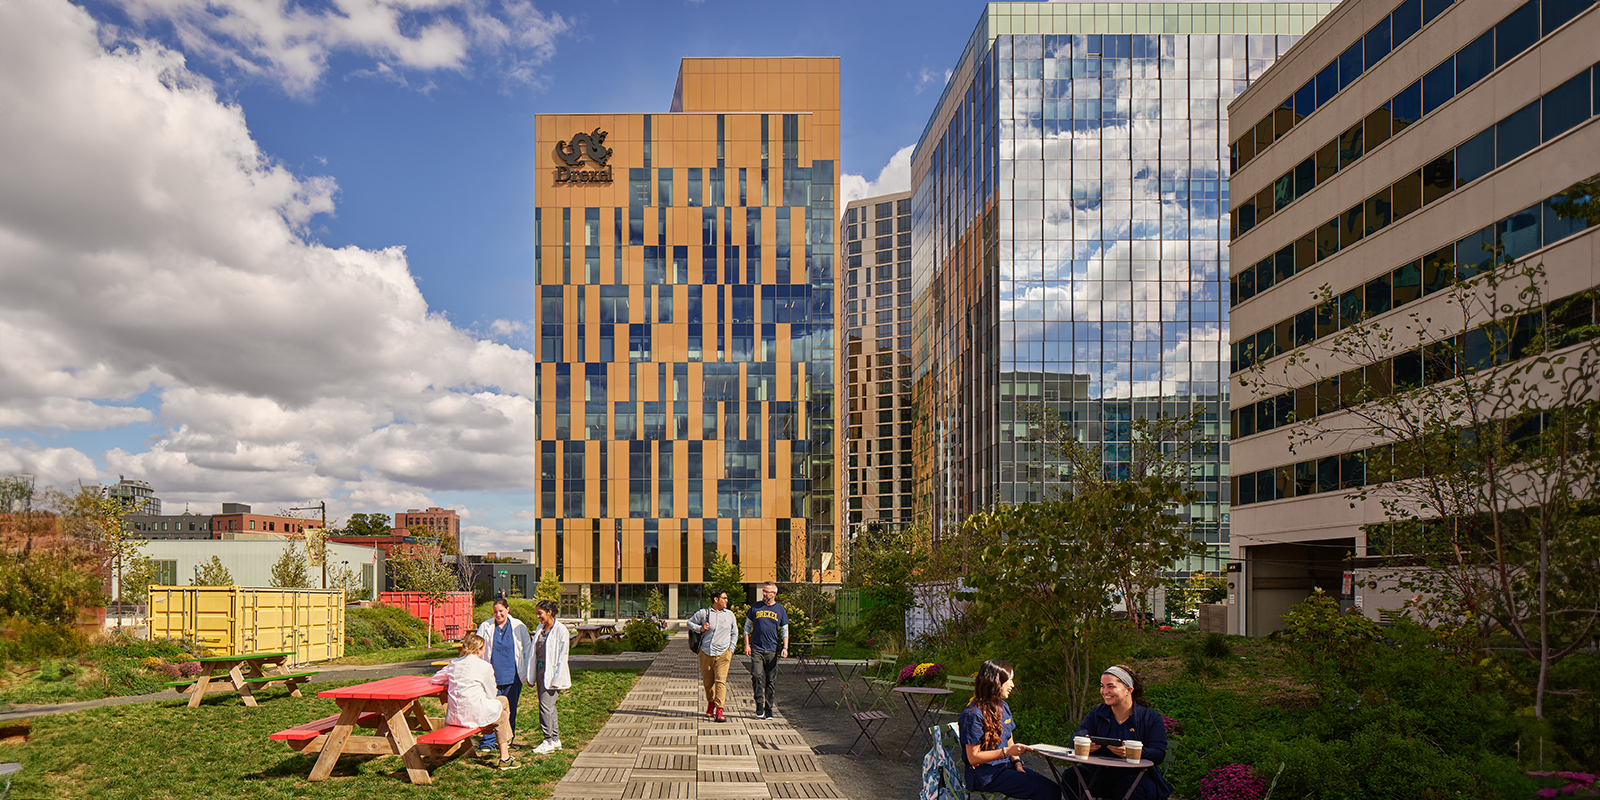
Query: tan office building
x=1395, y=143
x=875, y=311
x=687, y=366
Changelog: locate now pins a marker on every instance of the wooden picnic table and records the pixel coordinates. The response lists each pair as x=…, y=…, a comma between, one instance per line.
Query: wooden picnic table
x=393, y=707
x=594, y=633
x=235, y=668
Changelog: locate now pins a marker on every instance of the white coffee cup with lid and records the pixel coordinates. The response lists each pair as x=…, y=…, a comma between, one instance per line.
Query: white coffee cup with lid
x=1080, y=746
x=1134, y=749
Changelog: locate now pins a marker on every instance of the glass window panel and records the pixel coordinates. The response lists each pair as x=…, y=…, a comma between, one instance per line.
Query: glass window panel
x=1350, y=64
x=1377, y=127
x=1406, y=195
x=1557, y=12
x=1560, y=218
x=1305, y=252
x=1284, y=263
x=1405, y=21
x=1327, y=83
x=1350, y=307
x=1354, y=226
x=1406, y=107
x=1517, y=134
x=1433, y=8
x=1351, y=146
x=1305, y=177
x=1408, y=369
x=1566, y=105
x=1305, y=477
x=1407, y=283
x=1517, y=32
x=1283, y=188
x=1327, y=161
x=1474, y=253
x=1439, y=85
x=1378, y=297
x=1439, y=177
x=1378, y=211
x=1437, y=272
x=1475, y=157
x=1305, y=100
x=1305, y=327
x=1328, y=239
x=1475, y=61
x=1377, y=42
x=1519, y=234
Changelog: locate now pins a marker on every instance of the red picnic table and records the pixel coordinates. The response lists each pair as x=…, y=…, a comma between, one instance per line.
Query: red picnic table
x=393, y=707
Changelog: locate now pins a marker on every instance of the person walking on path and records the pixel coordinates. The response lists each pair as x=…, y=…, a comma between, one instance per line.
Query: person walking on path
x=766, y=639
x=550, y=672
x=718, y=628
x=470, y=699
x=507, y=644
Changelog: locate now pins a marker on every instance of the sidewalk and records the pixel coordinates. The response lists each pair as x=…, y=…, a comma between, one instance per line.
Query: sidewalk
x=660, y=744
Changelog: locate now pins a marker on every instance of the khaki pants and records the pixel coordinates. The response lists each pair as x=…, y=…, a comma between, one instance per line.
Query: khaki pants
x=714, y=672
x=503, y=725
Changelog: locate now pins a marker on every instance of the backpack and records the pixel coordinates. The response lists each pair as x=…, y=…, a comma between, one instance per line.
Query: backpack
x=941, y=778
x=694, y=638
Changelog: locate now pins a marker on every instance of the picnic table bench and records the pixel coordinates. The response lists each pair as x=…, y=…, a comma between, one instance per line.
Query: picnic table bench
x=236, y=667
x=594, y=633
x=392, y=706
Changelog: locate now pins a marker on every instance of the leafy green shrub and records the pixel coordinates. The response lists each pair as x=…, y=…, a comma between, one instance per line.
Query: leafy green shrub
x=644, y=635
x=383, y=628
x=606, y=647
x=30, y=641
x=801, y=629
x=524, y=610
x=1327, y=635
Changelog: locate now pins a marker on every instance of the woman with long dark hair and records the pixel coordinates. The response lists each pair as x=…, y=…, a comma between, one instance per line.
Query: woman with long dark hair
x=1124, y=715
x=994, y=761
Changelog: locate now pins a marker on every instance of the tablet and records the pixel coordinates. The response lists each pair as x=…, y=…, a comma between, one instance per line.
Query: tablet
x=1105, y=742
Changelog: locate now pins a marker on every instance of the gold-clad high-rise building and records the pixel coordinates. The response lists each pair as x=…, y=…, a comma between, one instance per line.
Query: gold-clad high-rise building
x=686, y=371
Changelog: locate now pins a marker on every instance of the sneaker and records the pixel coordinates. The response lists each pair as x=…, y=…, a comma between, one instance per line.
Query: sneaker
x=486, y=750
x=555, y=744
x=546, y=746
x=507, y=764
x=761, y=713
x=719, y=716
x=767, y=715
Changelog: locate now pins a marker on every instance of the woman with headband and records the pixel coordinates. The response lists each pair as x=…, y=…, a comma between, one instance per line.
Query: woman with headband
x=1123, y=716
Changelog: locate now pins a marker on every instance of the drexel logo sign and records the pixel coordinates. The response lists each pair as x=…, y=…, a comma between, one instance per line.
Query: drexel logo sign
x=582, y=146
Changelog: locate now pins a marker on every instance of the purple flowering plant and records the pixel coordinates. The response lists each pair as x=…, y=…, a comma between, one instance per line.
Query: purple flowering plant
x=1576, y=784
x=1232, y=782
x=1174, y=727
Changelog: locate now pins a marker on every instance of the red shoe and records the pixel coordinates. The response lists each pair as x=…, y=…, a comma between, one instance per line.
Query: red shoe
x=719, y=716
x=710, y=709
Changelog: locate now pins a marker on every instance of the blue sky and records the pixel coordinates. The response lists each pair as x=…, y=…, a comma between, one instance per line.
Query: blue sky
x=276, y=254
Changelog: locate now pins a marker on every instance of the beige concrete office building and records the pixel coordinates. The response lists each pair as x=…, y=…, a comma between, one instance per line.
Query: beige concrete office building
x=875, y=325
x=1394, y=143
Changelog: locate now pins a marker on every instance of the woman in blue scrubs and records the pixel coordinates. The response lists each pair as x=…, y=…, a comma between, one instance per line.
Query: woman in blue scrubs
x=1124, y=715
x=994, y=761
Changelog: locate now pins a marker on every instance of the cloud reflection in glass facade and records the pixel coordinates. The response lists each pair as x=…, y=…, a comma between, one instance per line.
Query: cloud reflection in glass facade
x=1070, y=227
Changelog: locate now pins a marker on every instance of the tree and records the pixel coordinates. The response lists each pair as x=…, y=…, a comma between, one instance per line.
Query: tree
x=727, y=576
x=289, y=572
x=1048, y=567
x=211, y=573
x=655, y=603
x=1199, y=588
x=137, y=578
x=99, y=521
x=1144, y=528
x=884, y=562
x=1479, y=426
x=548, y=589
x=47, y=576
x=347, y=579
x=368, y=525
x=422, y=570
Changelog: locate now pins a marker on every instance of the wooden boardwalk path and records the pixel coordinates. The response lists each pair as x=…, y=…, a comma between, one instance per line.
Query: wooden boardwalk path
x=659, y=744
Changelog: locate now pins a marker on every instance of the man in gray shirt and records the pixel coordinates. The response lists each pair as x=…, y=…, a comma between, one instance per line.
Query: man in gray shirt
x=717, y=627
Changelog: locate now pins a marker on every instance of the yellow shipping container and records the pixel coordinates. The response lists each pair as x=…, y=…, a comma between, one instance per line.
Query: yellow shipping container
x=233, y=620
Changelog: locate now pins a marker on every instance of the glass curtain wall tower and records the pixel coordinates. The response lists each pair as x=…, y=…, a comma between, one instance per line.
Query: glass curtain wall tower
x=686, y=356
x=1069, y=219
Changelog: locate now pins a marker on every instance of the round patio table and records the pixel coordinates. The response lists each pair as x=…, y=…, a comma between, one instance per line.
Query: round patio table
x=1053, y=753
x=920, y=711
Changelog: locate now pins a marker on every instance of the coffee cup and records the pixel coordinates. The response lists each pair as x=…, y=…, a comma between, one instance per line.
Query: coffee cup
x=1080, y=746
x=1133, y=749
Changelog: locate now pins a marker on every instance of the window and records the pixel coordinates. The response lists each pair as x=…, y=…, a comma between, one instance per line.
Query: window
x=1517, y=32
x=1517, y=134
x=1566, y=105
x=1439, y=85
x=1475, y=61
x=1475, y=157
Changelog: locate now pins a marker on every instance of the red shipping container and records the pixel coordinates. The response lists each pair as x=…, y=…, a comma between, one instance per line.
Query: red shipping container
x=451, y=616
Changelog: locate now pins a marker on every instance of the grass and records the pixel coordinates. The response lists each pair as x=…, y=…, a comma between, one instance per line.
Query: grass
x=220, y=750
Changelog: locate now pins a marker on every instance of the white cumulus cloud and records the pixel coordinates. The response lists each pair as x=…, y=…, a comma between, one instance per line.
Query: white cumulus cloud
x=894, y=177
x=150, y=249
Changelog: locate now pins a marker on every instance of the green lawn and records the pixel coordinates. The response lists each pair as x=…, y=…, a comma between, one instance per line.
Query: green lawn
x=220, y=750
x=397, y=655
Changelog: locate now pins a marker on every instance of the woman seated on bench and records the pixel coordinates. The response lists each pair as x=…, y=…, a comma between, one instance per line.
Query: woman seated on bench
x=471, y=700
x=994, y=762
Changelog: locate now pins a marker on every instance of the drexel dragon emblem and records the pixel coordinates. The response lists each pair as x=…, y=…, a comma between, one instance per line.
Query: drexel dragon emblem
x=584, y=145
